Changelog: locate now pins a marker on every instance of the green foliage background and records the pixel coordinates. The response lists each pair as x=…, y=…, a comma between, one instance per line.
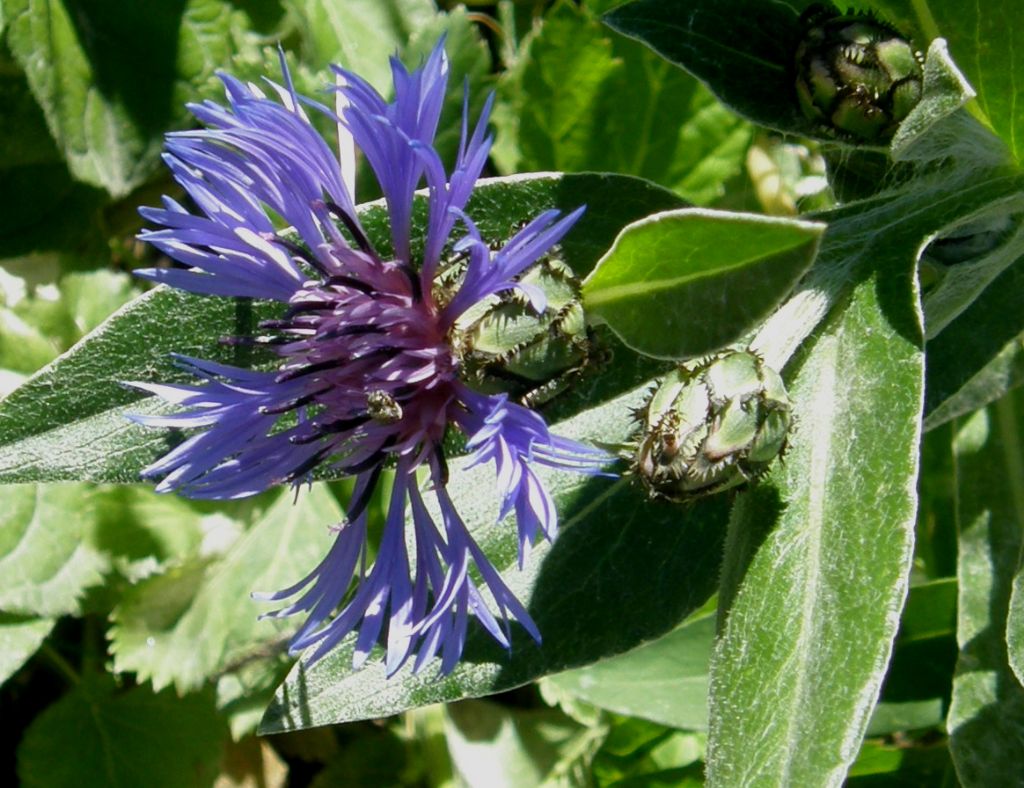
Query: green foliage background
x=856, y=617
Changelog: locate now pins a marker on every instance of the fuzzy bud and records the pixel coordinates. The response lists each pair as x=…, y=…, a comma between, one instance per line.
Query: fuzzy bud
x=856, y=75
x=505, y=345
x=711, y=425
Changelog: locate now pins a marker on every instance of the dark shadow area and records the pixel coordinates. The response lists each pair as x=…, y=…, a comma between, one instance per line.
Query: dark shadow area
x=743, y=49
x=120, y=40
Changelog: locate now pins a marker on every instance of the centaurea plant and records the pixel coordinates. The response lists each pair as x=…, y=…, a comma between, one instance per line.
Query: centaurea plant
x=367, y=377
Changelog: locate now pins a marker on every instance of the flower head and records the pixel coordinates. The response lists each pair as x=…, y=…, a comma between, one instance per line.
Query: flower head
x=367, y=376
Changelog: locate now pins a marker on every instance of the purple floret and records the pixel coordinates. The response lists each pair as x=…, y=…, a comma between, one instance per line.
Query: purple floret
x=367, y=378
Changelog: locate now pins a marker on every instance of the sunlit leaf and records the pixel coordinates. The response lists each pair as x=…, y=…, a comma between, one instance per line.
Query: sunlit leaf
x=665, y=681
x=683, y=283
x=818, y=555
x=986, y=718
x=48, y=555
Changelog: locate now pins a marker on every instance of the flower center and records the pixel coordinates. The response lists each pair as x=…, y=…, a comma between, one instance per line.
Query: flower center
x=374, y=360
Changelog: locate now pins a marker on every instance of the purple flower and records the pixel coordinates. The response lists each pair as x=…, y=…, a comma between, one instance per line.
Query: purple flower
x=367, y=377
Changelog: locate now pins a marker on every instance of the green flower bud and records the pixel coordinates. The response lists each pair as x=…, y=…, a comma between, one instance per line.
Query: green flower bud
x=856, y=75
x=504, y=345
x=711, y=425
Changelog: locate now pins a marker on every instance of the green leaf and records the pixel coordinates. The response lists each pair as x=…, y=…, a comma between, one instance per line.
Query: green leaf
x=96, y=735
x=665, y=681
x=986, y=717
x=908, y=763
x=91, y=297
x=80, y=405
x=184, y=627
x=930, y=611
x=245, y=692
x=111, y=80
x=1015, y=624
x=963, y=282
x=916, y=690
x=20, y=637
x=580, y=99
x=143, y=531
x=47, y=552
x=977, y=357
x=729, y=269
x=23, y=348
x=742, y=49
x=819, y=552
x=24, y=138
x=646, y=566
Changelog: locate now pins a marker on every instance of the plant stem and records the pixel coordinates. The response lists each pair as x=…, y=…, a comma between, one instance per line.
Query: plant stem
x=59, y=664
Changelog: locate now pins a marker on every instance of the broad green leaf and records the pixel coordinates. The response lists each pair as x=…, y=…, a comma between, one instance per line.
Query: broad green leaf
x=683, y=283
x=579, y=98
x=183, y=636
x=97, y=735
x=986, y=717
x=499, y=747
x=112, y=79
x=20, y=637
x=819, y=552
x=986, y=39
x=665, y=681
x=624, y=570
x=640, y=752
x=48, y=555
x=79, y=404
x=245, y=692
x=930, y=611
x=742, y=49
x=893, y=225
x=91, y=297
